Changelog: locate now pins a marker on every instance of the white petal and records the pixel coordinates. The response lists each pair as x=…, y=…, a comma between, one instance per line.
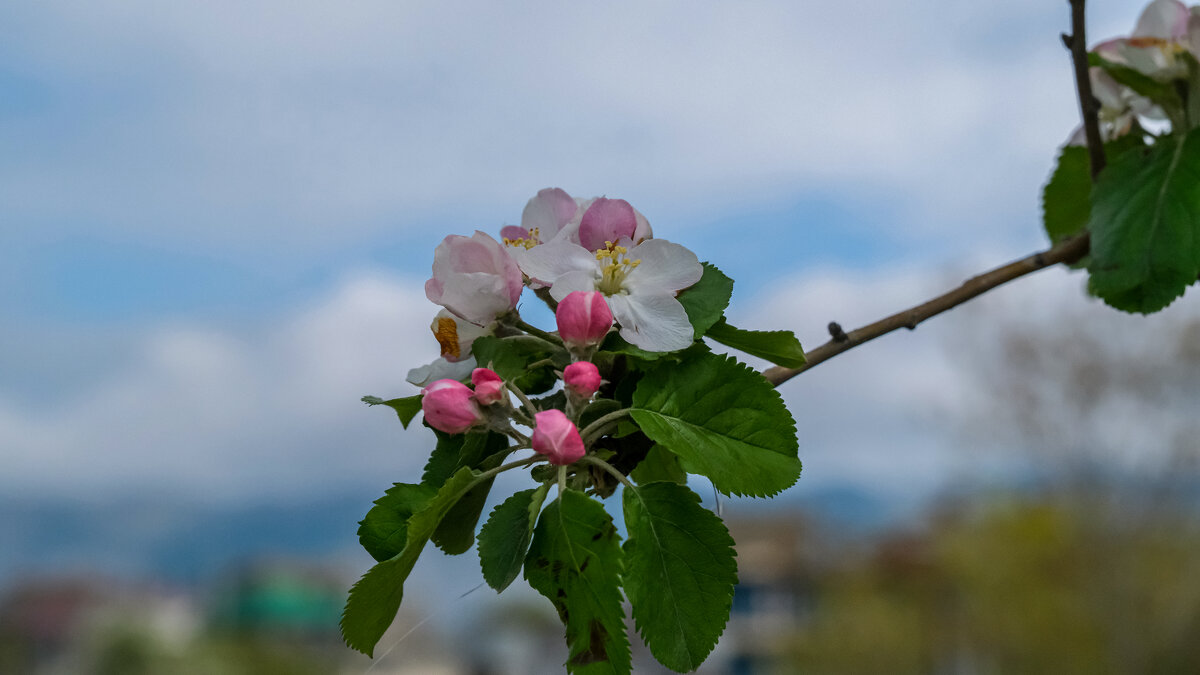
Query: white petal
x=477, y=297
x=549, y=261
x=441, y=369
x=1166, y=19
x=573, y=281
x=654, y=322
x=665, y=267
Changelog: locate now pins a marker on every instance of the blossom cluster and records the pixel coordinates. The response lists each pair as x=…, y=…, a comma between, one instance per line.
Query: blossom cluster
x=1163, y=47
x=598, y=266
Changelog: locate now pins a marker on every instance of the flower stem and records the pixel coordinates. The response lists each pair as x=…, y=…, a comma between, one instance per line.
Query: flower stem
x=562, y=480
x=610, y=469
x=529, y=407
x=598, y=427
x=538, y=332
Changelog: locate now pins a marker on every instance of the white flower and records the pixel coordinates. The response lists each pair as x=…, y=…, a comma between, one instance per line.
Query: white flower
x=639, y=281
x=1153, y=49
x=474, y=277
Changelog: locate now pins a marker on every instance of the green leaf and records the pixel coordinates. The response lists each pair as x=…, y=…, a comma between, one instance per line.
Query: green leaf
x=375, y=598
x=384, y=530
x=723, y=420
x=481, y=451
x=707, y=299
x=660, y=464
x=1065, y=203
x=679, y=573
x=454, y=451
x=575, y=561
x=511, y=357
x=406, y=408
x=504, y=539
x=1145, y=226
x=1066, y=199
x=777, y=346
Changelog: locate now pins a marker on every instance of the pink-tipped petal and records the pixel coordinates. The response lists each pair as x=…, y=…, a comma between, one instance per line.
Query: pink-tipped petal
x=547, y=212
x=606, y=220
x=449, y=406
x=583, y=318
x=557, y=438
x=582, y=379
x=489, y=388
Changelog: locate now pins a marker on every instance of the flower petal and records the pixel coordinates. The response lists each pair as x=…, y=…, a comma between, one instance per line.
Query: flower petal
x=1165, y=19
x=655, y=322
x=579, y=280
x=665, y=267
x=441, y=369
x=547, y=262
x=606, y=220
x=547, y=212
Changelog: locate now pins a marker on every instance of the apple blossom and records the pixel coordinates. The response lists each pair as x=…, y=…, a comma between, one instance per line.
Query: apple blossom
x=583, y=319
x=449, y=406
x=474, y=277
x=1120, y=107
x=1160, y=35
x=639, y=282
x=556, y=437
x=582, y=379
x=441, y=369
x=489, y=388
x=455, y=337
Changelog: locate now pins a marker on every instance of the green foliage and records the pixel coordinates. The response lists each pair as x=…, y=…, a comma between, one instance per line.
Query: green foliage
x=477, y=451
x=1065, y=199
x=660, y=464
x=723, y=420
x=504, y=538
x=777, y=346
x=1145, y=226
x=679, y=573
x=384, y=530
x=375, y=598
x=575, y=561
x=455, y=451
x=406, y=408
x=511, y=357
x=707, y=299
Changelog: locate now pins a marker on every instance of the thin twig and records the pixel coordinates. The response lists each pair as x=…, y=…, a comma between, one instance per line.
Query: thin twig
x=1089, y=107
x=1067, y=251
x=594, y=430
x=596, y=461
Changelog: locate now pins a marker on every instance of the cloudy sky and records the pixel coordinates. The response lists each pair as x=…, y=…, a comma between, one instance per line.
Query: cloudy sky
x=216, y=218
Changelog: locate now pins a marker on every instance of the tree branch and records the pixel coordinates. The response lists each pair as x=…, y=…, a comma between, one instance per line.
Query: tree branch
x=1068, y=251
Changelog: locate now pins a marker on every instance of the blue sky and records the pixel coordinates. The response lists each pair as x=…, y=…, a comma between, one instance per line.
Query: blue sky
x=216, y=218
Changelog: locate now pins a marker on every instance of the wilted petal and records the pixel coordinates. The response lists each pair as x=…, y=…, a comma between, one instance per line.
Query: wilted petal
x=655, y=322
x=664, y=266
x=441, y=369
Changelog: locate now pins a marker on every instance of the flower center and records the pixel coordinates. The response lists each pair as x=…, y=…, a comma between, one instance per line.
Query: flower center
x=526, y=242
x=447, y=336
x=615, y=265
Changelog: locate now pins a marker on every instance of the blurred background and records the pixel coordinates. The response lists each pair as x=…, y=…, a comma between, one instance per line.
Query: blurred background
x=215, y=224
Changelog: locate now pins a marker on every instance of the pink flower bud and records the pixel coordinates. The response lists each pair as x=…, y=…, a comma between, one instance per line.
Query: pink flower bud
x=449, y=406
x=606, y=220
x=582, y=378
x=556, y=437
x=489, y=388
x=583, y=318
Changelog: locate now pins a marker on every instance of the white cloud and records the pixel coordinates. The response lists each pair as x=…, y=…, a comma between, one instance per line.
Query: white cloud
x=305, y=123
x=237, y=412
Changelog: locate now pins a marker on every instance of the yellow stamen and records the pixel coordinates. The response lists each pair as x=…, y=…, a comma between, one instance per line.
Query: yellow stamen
x=614, y=267
x=525, y=242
